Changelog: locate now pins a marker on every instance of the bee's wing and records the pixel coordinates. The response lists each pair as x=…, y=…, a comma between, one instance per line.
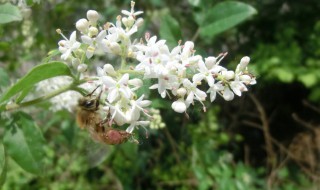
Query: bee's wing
x=96, y=153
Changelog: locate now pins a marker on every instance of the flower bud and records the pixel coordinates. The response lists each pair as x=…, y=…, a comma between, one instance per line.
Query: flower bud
x=135, y=82
x=243, y=63
x=139, y=22
x=125, y=21
x=181, y=92
x=195, y=59
x=115, y=47
x=93, y=31
x=245, y=79
x=228, y=94
x=93, y=16
x=82, y=68
x=228, y=74
x=187, y=49
x=130, y=21
x=82, y=25
x=210, y=61
x=108, y=68
x=179, y=106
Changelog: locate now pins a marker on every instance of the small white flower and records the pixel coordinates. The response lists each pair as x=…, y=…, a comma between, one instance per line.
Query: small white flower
x=204, y=73
x=117, y=115
x=238, y=87
x=135, y=124
x=214, y=89
x=66, y=47
x=193, y=92
x=138, y=106
x=117, y=88
x=131, y=13
x=95, y=43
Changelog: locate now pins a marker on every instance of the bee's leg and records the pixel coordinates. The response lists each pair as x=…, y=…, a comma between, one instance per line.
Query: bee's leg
x=102, y=124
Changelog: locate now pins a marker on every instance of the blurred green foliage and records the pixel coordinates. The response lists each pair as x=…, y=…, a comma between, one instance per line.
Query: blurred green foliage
x=203, y=152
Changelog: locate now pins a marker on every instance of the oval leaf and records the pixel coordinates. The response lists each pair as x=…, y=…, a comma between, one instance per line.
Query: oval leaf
x=37, y=74
x=3, y=165
x=224, y=16
x=170, y=30
x=24, y=143
x=9, y=13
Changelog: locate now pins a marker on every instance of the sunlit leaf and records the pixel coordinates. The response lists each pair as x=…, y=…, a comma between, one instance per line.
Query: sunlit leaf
x=308, y=79
x=283, y=74
x=170, y=30
x=9, y=13
x=24, y=143
x=37, y=74
x=224, y=16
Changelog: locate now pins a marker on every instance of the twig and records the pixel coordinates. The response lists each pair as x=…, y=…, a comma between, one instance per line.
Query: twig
x=302, y=122
x=314, y=108
x=271, y=156
x=192, y=182
x=265, y=127
x=173, y=145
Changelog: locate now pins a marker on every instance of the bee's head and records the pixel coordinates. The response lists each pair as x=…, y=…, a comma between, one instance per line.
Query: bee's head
x=90, y=102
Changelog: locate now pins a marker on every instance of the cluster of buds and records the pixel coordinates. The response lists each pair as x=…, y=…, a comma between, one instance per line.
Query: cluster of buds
x=178, y=72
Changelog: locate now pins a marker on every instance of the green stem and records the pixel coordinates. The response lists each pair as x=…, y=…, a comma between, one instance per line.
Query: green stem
x=195, y=36
x=123, y=62
x=122, y=71
x=14, y=106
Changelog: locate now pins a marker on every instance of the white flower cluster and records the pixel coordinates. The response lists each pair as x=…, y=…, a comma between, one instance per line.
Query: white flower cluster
x=179, y=73
x=66, y=100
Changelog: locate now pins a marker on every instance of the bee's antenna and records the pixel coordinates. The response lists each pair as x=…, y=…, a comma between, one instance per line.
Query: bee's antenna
x=94, y=91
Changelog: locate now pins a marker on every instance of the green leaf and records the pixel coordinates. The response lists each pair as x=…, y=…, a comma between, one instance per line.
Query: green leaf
x=170, y=30
x=51, y=54
x=9, y=13
x=224, y=16
x=143, y=90
x=194, y=3
x=308, y=79
x=23, y=94
x=4, y=77
x=37, y=74
x=283, y=74
x=24, y=143
x=160, y=103
x=3, y=165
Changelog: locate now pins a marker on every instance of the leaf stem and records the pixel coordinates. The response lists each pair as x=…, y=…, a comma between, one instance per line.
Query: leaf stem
x=14, y=106
x=123, y=62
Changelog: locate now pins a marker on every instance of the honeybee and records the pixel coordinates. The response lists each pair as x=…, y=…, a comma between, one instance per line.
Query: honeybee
x=88, y=117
